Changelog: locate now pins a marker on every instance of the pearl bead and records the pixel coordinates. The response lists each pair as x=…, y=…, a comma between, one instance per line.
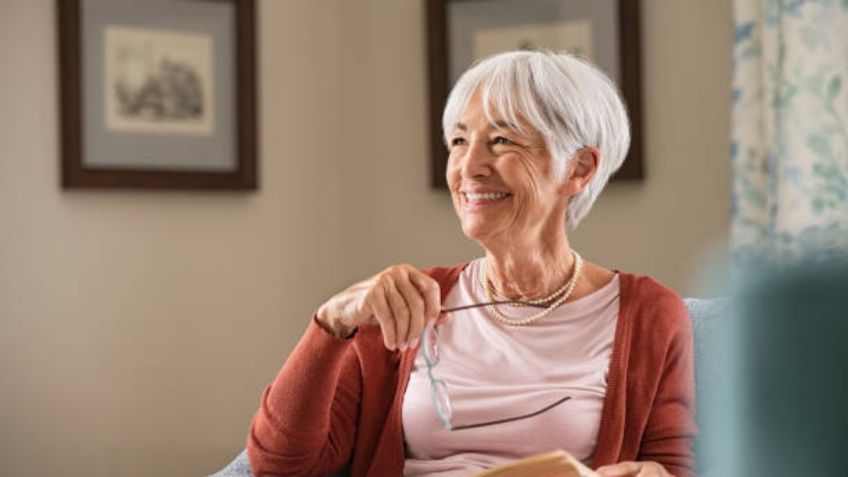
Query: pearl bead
x=566, y=291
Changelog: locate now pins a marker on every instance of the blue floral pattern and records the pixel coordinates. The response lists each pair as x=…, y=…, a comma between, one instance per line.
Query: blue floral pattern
x=789, y=148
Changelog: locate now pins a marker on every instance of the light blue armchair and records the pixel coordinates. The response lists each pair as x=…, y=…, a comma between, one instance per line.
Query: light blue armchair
x=704, y=314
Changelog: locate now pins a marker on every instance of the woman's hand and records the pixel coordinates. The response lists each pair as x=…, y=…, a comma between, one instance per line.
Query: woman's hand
x=634, y=469
x=401, y=299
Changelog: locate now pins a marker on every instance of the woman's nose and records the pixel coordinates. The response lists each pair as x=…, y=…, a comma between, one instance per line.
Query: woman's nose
x=477, y=160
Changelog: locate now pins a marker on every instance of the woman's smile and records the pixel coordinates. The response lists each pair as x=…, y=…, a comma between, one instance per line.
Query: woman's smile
x=473, y=201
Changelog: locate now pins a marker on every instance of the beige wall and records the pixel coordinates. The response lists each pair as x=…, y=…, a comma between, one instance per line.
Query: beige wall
x=138, y=328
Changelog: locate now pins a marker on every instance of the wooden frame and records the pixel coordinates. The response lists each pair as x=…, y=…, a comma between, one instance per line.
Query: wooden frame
x=76, y=173
x=439, y=54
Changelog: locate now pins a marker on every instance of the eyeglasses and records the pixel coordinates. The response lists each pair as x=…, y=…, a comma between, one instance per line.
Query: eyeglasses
x=439, y=389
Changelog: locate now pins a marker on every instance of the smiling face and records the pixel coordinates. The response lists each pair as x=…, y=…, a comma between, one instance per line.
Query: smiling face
x=503, y=183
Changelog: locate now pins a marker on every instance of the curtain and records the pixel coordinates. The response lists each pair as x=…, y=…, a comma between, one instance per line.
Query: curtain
x=789, y=146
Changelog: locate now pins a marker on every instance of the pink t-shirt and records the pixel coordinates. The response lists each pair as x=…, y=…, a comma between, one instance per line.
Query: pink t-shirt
x=494, y=371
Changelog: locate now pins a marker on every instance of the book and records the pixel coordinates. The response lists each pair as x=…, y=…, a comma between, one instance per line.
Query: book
x=550, y=464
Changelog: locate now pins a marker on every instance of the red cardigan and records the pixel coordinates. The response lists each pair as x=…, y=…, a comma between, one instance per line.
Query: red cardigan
x=337, y=402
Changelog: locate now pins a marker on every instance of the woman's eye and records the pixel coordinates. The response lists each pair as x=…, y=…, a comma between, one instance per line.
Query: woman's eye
x=457, y=141
x=501, y=140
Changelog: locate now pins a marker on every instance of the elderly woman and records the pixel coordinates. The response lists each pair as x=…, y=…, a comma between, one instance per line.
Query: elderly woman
x=531, y=348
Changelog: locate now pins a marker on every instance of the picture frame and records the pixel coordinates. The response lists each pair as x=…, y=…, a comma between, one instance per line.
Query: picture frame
x=459, y=30
x=158, y=94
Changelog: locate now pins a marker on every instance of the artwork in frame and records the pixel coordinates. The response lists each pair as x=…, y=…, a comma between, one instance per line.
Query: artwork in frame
x=158, y=94
x=604, y=31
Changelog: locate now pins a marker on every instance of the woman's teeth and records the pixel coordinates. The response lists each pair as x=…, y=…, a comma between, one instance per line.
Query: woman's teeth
x=477, y=197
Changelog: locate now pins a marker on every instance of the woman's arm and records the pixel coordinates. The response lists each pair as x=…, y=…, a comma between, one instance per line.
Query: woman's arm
x=666, y=446
x=307, y=419
x=671, y=429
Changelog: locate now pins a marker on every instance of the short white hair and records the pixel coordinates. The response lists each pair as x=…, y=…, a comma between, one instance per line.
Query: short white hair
x=567, y=99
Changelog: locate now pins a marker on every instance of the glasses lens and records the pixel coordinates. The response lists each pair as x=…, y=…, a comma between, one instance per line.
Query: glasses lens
x=442, y=402
x=430, y=346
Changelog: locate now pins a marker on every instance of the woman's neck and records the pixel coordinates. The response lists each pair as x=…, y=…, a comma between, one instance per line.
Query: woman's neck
x=529, y=271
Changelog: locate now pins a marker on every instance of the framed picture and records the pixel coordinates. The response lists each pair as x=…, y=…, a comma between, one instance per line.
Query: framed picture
x=604, y=31
x=158, y=93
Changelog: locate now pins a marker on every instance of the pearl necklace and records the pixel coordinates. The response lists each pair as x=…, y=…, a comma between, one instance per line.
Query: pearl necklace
x=483, y=282
x=565, y=291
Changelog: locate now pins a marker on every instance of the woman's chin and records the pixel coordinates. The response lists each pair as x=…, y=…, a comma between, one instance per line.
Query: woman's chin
x=477, y=232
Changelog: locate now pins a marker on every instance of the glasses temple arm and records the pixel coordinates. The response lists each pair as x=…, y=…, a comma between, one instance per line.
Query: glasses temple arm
x=492, y=303
x=510, y=419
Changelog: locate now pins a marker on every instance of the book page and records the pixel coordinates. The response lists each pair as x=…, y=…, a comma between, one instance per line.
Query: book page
x=552, y=464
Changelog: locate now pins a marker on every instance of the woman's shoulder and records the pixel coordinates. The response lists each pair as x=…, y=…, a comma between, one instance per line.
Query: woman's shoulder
x=652, y=303
x=647, y=288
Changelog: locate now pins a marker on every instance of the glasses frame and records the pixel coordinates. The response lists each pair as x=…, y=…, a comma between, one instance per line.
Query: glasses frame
x=429, y=338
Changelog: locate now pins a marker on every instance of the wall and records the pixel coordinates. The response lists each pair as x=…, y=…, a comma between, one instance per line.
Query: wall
x=137, y=329
x=675, y=225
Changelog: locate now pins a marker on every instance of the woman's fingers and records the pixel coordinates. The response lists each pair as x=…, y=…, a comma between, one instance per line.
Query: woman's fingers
x=622, y=469
x=634, y=469
x=401, y=300
x=383, y=314
x=429, y=289
x=400, y=311
x=416, y=308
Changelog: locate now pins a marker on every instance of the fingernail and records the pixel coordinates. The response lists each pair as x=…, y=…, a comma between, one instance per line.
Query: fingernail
x=414, y=343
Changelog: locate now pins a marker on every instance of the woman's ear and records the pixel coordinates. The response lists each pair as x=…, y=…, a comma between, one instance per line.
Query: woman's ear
x=581, y=170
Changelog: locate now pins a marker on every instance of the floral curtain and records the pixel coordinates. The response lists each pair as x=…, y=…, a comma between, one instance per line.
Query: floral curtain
x=790, y=130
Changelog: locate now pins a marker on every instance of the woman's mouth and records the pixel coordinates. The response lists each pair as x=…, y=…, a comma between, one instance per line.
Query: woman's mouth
x=477, y=200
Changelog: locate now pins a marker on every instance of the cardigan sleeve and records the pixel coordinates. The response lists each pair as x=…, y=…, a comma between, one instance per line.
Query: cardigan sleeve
x=307, y=418
x=670, y=430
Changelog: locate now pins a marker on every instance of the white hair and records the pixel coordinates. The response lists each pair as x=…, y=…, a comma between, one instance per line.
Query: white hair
x=567, y=99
